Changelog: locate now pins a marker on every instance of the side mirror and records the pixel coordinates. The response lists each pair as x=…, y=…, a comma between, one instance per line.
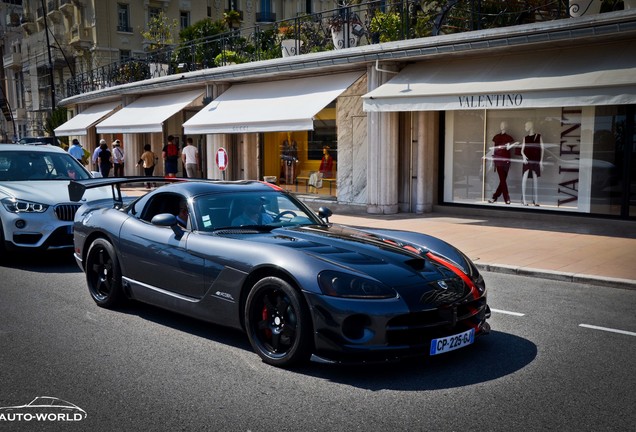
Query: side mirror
x=168, y=220
x=164, y=219
x=324, y=213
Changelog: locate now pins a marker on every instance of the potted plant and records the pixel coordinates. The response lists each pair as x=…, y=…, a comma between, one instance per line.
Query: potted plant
x=289, y=39
x=346, y=28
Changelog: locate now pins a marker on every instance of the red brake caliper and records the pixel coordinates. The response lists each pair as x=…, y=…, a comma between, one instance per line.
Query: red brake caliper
x=265, y=316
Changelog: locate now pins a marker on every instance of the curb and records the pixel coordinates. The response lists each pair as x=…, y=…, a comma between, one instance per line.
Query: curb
x=604, y=281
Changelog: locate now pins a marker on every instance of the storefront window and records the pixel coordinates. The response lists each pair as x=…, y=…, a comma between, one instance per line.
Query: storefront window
x=566, y=159
x=304, y=161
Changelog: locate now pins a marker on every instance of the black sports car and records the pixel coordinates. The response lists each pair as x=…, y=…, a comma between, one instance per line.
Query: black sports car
x=251, y=256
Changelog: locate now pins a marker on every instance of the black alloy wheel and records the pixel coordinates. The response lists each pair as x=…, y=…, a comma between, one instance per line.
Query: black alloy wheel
x=278, y=323
x=103, y=274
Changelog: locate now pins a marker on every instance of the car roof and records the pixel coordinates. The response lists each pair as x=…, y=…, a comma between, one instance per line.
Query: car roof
x=194, y=188
x=29, y=148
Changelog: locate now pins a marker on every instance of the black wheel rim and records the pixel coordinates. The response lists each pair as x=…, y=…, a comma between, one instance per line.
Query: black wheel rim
x=276, y=323
x=101, y=274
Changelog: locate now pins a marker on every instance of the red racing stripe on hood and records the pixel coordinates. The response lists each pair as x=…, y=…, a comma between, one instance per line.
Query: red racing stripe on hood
x=473, y=288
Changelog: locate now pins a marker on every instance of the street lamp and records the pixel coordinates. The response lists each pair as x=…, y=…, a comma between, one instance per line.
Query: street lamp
x=51, y=77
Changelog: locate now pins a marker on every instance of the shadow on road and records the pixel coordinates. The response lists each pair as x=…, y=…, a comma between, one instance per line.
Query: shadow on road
x=491, y=357
x=59, y=261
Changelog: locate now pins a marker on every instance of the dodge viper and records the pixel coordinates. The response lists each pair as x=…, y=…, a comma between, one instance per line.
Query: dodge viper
x=251, y=256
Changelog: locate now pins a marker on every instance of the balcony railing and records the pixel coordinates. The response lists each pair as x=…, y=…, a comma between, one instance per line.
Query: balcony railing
x=368, y=23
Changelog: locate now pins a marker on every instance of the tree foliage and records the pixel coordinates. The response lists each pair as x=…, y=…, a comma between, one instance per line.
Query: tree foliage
x=160, y=31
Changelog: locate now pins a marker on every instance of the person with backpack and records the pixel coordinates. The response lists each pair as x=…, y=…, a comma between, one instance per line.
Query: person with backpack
x=170, y=155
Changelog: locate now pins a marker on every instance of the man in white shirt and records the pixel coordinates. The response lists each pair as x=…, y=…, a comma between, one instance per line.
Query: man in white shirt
x=118, y=159
x=190, y=158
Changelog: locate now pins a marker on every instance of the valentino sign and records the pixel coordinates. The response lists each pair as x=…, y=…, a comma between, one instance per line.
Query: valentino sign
x=504, y=100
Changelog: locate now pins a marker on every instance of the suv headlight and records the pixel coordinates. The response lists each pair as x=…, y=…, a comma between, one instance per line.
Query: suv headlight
x=338, y=284
x=21, y=206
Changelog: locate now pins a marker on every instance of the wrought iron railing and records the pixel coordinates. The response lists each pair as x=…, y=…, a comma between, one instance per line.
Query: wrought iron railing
x=362, y=24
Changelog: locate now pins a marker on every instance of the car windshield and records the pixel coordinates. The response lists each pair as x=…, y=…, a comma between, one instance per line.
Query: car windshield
x=37, y=165
x=251, y=209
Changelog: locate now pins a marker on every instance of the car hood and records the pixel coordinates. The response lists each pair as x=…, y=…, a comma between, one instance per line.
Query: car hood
x=49, y=192
x=412, y=263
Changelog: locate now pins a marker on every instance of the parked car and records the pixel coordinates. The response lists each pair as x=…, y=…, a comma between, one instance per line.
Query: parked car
x=35, y=212
x=41, y=140
x=250, y=255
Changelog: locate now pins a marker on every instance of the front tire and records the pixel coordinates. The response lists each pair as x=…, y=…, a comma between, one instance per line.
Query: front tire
x=103, y=274
x=278, y=323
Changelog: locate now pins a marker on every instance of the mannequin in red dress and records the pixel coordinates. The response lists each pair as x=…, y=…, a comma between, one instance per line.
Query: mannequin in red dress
x=501, y=157
x=326, y=164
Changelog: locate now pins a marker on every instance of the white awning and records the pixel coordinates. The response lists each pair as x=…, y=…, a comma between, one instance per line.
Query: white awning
x=79, y=124
x=587, y=76
x=148, y=113
x=274, y=106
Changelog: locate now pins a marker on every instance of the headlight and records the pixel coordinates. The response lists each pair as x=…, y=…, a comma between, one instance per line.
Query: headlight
x=20, y=206
x=338, y=284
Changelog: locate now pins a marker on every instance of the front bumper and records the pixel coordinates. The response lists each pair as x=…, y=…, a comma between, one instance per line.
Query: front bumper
x=348, y=330
x=52, y=229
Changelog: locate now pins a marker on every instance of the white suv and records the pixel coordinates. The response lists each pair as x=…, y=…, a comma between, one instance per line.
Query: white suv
x=35, y=209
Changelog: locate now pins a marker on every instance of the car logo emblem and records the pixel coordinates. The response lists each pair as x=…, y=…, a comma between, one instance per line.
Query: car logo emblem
x=442, y=284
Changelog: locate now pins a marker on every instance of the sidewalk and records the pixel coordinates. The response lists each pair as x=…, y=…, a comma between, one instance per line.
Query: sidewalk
x=594, y=251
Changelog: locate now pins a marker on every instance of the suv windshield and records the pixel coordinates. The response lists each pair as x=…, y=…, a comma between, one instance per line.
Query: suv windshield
x=35, y=165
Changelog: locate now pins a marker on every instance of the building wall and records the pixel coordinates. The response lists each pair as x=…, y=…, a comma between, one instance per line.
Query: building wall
x=352, y=145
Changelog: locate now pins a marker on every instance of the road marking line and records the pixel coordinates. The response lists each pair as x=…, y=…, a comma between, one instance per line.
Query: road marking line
x=507, y=312
x=628, y=333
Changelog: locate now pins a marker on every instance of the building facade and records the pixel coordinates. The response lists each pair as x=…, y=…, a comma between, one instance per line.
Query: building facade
x=534, y=118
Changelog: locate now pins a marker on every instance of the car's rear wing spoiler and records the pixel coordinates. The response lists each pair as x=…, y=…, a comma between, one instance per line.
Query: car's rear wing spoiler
x=76, y=188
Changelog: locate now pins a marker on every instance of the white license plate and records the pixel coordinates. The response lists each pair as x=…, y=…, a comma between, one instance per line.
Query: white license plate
x=450, y=343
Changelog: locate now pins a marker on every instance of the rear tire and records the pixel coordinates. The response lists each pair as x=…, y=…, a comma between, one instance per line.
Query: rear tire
x=103, y=274
x=278, y=323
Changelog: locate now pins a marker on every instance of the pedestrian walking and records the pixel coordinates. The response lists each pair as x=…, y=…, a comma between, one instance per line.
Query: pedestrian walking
x=147, y=160
x=190, y=157
x=76, y=150
x=170, y=155
x=118, y=159
x=95, y=157
x=105, y=160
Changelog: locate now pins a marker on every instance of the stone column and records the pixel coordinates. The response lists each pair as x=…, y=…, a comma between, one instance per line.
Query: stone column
x=382, y=187
x=133, y=148
x=427, y=133
x=215, y=141
x=249, y=157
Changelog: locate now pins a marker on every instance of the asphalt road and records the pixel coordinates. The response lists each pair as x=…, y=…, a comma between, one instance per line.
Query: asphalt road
x=145, y=369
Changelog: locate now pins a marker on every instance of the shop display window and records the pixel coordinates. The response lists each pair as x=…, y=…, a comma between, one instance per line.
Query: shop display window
x=550, y=158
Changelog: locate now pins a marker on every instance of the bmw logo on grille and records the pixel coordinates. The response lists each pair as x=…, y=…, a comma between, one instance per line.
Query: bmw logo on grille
x=442, y=284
